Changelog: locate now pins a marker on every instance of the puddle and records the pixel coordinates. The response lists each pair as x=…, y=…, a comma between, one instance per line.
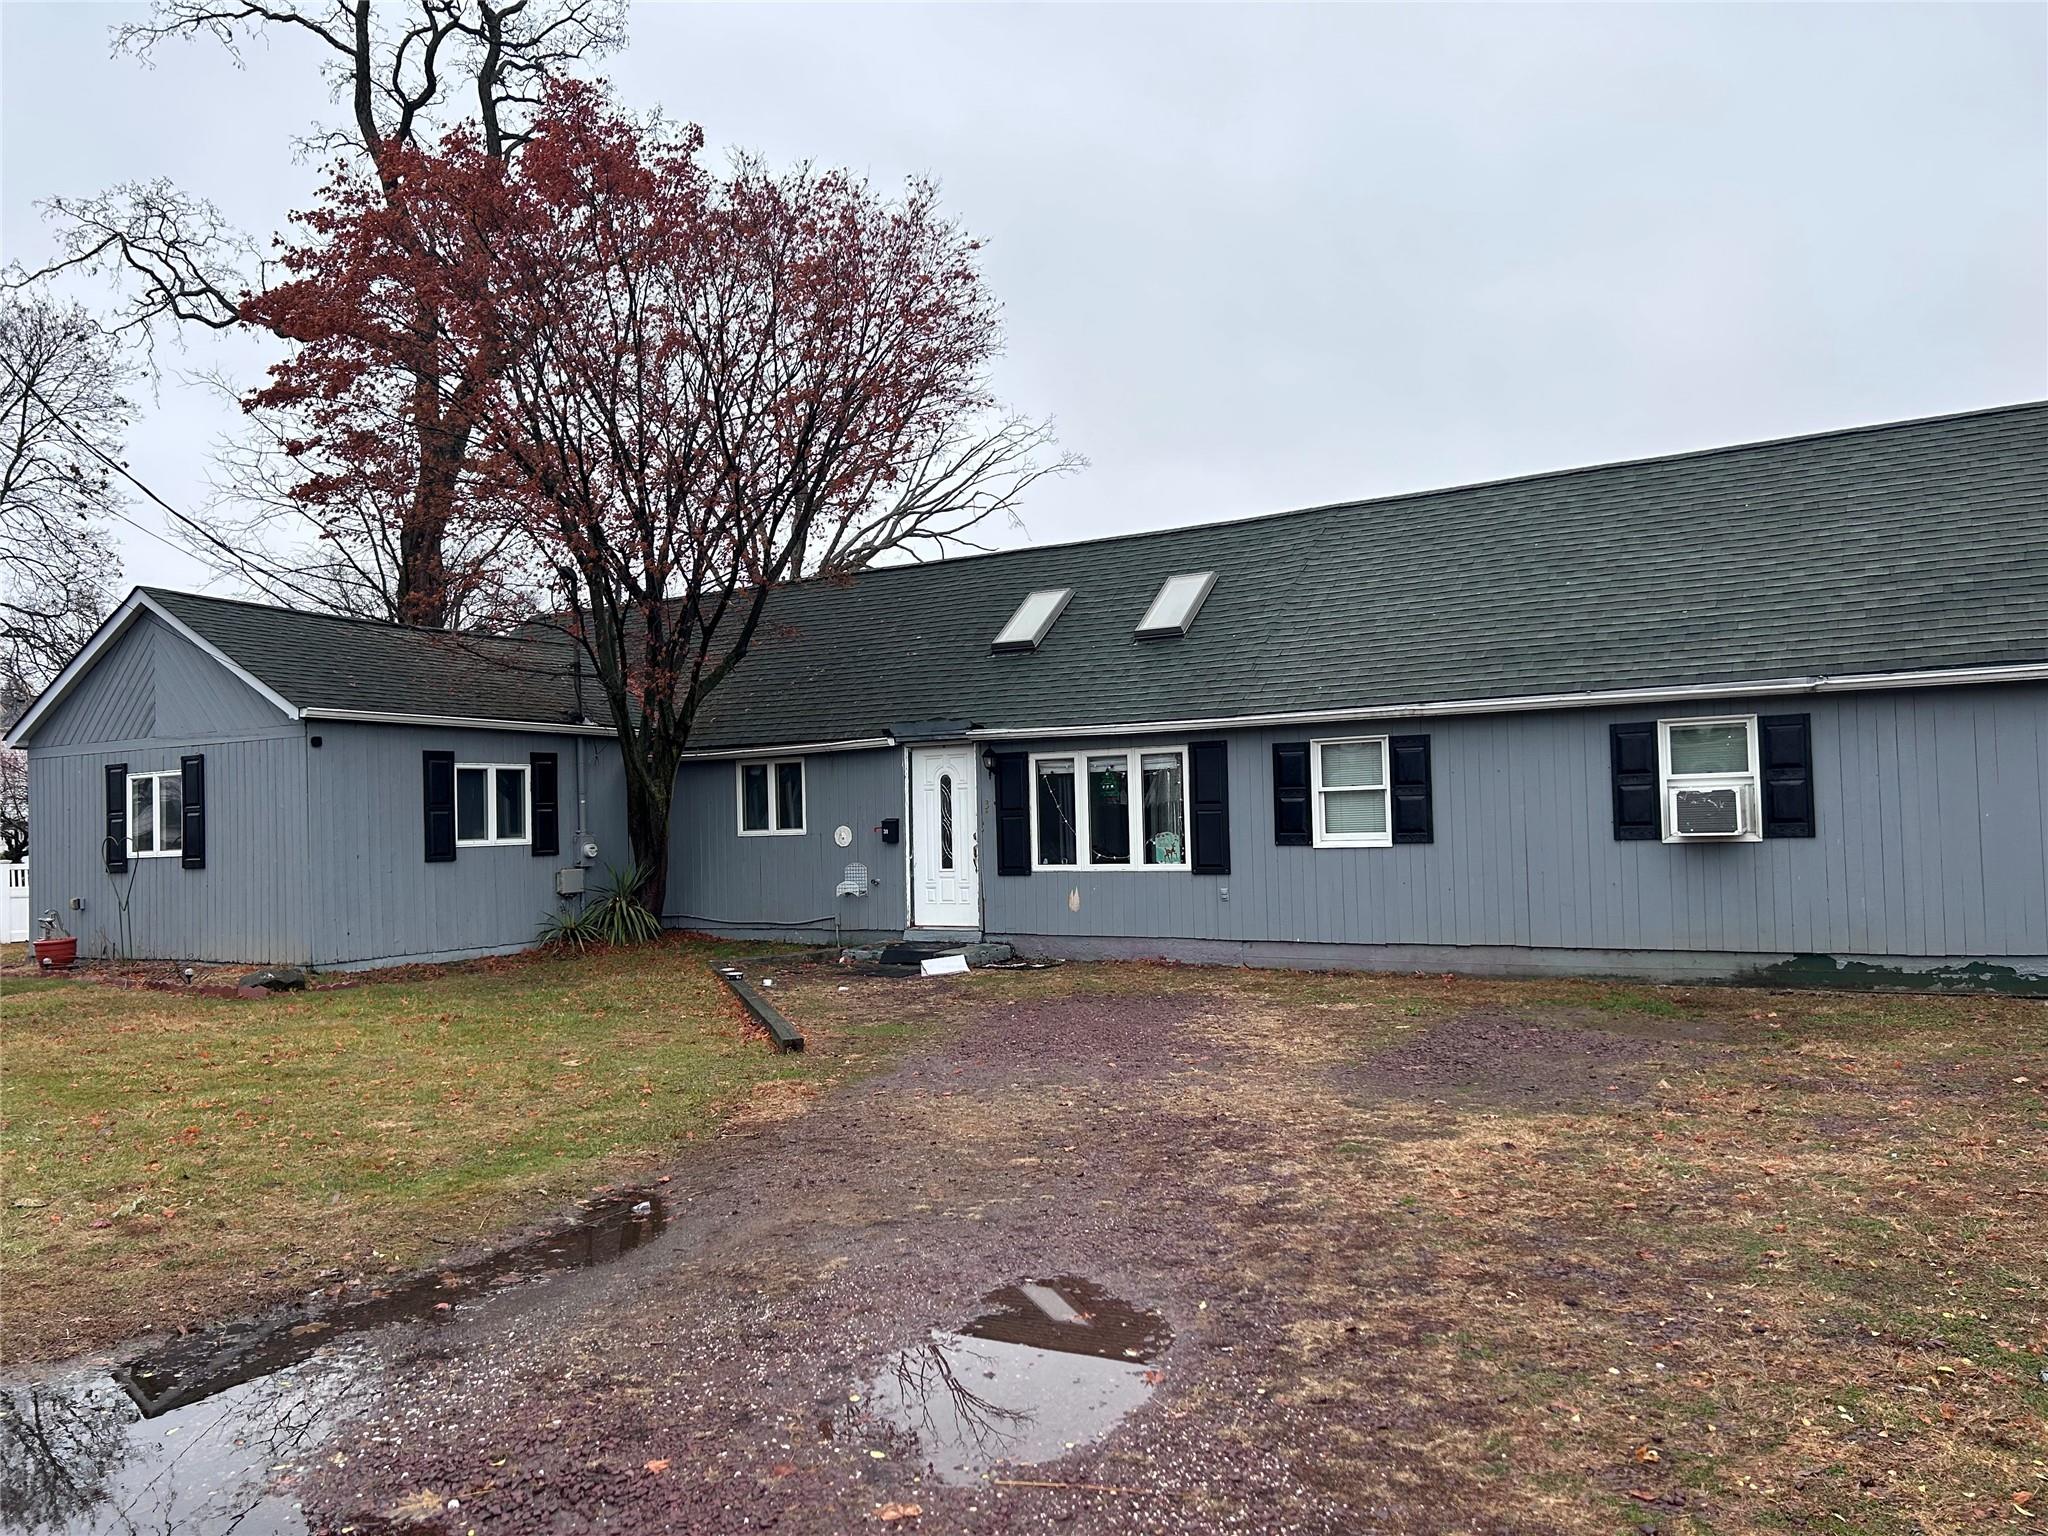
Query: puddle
x=209, y=1432
x=77, y=1456
x=1055, y=1365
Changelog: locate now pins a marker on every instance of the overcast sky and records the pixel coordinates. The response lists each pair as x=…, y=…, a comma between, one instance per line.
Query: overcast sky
x=1262, y=257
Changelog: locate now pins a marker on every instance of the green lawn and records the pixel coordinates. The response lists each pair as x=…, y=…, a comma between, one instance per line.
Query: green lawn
x=164, y=1158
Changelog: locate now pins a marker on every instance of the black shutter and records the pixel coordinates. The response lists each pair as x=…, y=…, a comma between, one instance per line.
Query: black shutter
x=547, y=807
x=1633, y=750
x=1786, y=756
x=437, y=773
x=193, y=770
x=1414, y=815
x=1209, y=798
x=1292, y=827
x=1013, y=813
x=114, y=847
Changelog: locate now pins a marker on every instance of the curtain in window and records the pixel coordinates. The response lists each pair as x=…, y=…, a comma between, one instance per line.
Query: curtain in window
x=1165, y=805
x=472, y=805
x=754, y=797
x=1354, y=779
x=789, y=795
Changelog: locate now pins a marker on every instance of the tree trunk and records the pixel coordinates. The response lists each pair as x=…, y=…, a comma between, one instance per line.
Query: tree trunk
x=650, y=797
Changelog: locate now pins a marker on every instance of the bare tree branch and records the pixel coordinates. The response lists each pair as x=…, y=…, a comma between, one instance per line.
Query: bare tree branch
x=61, y=408
x=402, y=71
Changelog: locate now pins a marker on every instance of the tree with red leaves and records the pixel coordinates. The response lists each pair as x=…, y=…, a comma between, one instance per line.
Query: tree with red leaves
x=393, y=541
x=682, y=389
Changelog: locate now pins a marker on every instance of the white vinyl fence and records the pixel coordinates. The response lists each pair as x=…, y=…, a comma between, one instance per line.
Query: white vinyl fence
x=17, y=903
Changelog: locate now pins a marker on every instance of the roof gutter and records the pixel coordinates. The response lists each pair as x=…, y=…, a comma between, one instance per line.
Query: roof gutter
x=460, y=722
x=1948, y=677
x=792, y=749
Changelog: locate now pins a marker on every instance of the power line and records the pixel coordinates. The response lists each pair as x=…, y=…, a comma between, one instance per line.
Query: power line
x=234, y=555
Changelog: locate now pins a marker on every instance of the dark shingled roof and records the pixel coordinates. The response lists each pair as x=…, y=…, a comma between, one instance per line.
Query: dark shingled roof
x=321, y=662
x=1916, y=545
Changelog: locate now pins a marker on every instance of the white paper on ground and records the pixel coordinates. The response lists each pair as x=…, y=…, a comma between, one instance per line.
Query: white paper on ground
x=944, y=965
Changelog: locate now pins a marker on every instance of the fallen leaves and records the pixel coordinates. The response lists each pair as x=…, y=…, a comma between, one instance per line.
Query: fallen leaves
x=889, y=1514
x=658, y=1465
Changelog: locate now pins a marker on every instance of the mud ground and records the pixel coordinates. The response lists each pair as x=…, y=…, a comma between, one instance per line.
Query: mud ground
x=1430, y=1264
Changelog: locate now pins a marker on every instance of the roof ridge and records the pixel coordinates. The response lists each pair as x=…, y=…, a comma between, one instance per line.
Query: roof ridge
x=2016, y=407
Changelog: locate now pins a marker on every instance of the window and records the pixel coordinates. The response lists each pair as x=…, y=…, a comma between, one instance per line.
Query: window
x=1707, y=777
x=772, y=798
x=1173, y=610
x=1164, y=808
x=1110, y=810
x=156, y=814
x=1058, y=824
x=1033, y=620
x=491, y=804
x=1349, y=780
x=945, y=821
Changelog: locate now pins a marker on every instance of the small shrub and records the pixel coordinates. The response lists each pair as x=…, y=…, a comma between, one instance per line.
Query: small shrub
x=613, y=915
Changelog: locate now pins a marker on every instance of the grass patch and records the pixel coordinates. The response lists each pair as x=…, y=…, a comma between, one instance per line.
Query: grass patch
x=1795, y=1277
x=165, y=1158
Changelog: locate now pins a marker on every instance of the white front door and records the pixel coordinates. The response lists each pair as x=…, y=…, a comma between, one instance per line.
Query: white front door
x=945, y=880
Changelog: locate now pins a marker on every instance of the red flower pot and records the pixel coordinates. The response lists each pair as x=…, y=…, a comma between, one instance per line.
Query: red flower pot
x=56, y=954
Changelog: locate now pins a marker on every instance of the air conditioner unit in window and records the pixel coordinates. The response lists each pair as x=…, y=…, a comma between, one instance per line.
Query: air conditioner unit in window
x=1710, y=813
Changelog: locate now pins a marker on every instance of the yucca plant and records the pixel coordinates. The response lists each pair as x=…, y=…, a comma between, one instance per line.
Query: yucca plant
x=614, y=915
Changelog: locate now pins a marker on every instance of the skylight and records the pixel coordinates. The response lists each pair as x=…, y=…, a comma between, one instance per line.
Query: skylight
x=1033, y=618
x=1173, y=610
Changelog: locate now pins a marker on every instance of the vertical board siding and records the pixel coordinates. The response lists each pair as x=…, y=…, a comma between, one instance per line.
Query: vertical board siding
x=151, y=698
x=246, y=905
x=1932, y=841
x=374, y=896
x=153, y=683
x=722, y=882
x=115, y=701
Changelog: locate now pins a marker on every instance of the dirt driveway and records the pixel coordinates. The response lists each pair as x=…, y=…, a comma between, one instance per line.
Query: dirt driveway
x=1402, y=1255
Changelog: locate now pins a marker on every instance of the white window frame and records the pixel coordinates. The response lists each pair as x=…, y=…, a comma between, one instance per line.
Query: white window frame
x=739, y=797
x=491, y=772
x=156, y=805
x=1749, y=782
x=1323, y=837
x=1133, y=766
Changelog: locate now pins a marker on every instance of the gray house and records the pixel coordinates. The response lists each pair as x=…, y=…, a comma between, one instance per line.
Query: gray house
x=1776, y=710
